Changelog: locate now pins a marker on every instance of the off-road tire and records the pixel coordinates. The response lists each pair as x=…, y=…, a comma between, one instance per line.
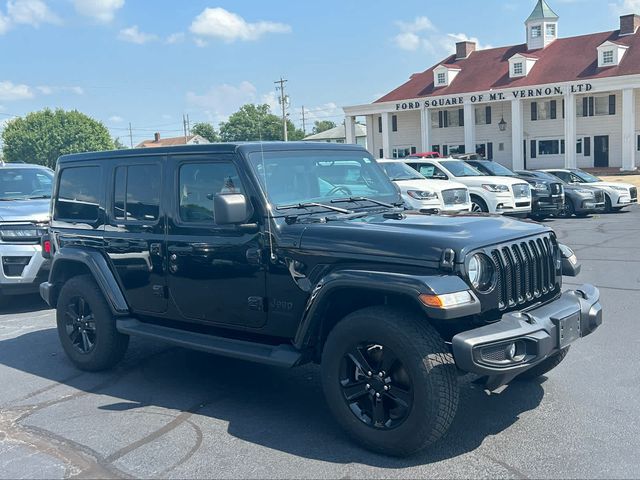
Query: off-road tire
x=110, y=345
x=427, y=361
x=545, y=366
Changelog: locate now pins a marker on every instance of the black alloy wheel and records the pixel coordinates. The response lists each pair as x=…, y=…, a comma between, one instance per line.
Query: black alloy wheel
x=80, y=325
x=376, y=386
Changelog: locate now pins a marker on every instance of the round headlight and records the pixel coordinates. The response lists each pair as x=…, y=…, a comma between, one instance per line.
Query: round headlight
x=481, y=272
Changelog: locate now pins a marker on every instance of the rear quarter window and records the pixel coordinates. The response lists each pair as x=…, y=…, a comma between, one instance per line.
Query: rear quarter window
x=78, y=198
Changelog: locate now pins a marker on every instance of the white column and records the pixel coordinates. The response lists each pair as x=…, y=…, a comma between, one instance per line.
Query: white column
x=469, y=128
x=570, y=136
x=349, y=129
x=370, y=119
x=386, y=135
x=425, y=130
x=628, y=130
x=517, y=136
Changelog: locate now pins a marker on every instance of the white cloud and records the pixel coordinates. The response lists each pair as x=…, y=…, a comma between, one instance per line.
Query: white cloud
x=227, y=26
x=52, y=89
x=175, y=38
x=421, y=34
x=220, y=101
x=30, y=12
x=103, y=11
x=4, y=24
x=10, y=91
x=624, y=7
x=328, y=111
x=134, y=35
x=273, y=100
x=116, y=119
x=407, y=41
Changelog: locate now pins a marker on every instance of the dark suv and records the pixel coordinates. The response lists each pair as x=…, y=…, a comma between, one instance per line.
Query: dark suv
x=289, y=253
x=547, y=194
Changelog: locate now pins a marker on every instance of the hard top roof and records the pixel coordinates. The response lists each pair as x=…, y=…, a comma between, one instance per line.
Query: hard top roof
x=243, y=147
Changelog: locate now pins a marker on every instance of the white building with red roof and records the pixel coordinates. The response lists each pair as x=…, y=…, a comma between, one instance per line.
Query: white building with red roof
x=549, y=102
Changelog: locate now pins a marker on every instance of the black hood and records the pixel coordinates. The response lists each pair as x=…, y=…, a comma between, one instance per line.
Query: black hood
x=415, y=236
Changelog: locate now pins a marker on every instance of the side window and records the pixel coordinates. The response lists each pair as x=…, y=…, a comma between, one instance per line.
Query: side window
x=78, y=194
x=427, y=170
x=576, y=179
x=563, y=176
x=137, y=193
x=200, y=183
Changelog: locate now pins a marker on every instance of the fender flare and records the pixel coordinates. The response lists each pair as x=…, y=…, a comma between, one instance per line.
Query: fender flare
x=384, y=282
x=99, y=269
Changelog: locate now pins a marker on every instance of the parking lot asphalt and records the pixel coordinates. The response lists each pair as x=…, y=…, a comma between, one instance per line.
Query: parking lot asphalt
x=169, y=412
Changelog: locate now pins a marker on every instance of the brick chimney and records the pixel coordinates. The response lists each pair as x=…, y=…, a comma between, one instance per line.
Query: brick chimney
x=629, y=24
x=464, y=49
x=156, y=137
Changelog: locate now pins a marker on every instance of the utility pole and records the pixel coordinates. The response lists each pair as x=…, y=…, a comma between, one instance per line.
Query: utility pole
x=188, y=125
x=304, y=125
x=283, y=103
x=184, y=126
x=130, y=135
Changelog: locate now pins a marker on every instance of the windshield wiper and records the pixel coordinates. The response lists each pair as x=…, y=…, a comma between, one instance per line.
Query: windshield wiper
x=37, y=197
x=313, y=204
x=364, y=199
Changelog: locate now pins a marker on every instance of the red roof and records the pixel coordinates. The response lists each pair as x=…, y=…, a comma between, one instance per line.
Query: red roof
x=565, y=60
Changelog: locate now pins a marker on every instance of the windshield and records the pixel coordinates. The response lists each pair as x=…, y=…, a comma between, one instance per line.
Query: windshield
x=586, y=177
x=497, y=169
x=458, y=168
x=399, y=171
x=298, y=177
x=25, y=183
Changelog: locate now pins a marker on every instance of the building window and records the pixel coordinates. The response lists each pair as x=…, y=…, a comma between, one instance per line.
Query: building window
x=483, y=115
x=447, y=118
x=381, y=153
x=596, y=106
x=379, y=124
x=394, y=123
x=454, y=149
x=548, y=147
x=579, y=146
x=517, y=68
x=403, y=152
x=536, y=32
x=544, y=110
x=607, y=57
x=551, y=30
x=442, y=78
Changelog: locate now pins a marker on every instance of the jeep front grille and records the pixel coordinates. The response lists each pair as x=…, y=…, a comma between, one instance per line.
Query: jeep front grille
x=525, y=271
x=456, y=196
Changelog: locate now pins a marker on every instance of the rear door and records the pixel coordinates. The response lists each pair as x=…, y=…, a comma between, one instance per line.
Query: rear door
x=215, y=273
x=134, y=234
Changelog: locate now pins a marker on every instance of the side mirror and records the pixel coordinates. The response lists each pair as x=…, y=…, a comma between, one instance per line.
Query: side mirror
x=230, y=209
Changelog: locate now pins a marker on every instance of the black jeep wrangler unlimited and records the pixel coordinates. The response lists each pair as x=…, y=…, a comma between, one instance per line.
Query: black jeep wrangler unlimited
x=287, y=253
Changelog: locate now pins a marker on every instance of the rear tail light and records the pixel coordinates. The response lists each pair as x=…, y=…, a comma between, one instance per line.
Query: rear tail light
x=47, y=248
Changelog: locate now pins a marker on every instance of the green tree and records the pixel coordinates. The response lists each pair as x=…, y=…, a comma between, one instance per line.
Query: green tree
x=322, y=126
x=255, y=122
x=118, y=145
x=41, y=137
x=206, y=130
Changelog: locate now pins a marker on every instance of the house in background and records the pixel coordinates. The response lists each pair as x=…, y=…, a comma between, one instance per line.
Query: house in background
x=338, y=135
x=169, y=142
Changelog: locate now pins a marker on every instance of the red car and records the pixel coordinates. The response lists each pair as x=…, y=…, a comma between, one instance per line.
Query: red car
x=425, y=155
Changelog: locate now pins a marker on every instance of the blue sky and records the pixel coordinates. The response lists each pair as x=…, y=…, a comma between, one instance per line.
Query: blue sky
x=148, y=62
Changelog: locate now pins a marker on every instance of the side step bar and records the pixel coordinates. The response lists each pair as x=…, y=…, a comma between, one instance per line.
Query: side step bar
x=279, y=356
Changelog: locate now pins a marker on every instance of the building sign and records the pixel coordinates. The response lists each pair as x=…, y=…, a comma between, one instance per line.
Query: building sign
x=495, y=96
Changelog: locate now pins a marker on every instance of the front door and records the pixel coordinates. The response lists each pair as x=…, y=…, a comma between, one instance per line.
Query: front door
x=601, y=151
x=215, y=273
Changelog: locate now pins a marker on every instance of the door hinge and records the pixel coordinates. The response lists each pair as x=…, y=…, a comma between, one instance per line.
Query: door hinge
x=256, y=303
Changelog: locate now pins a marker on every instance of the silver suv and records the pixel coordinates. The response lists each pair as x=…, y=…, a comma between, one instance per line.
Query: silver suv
x=25, y=193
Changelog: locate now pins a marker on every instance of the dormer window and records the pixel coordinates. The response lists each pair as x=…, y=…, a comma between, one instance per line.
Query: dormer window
x=610, y=53
x=551, y=30
x=443, y=75
x=518, y=68
x=536, y=31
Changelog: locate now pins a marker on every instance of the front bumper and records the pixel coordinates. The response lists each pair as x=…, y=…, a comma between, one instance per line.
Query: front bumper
x=590, y=206
x=509, y=205
x=22, y=268
x=549, y=204
x=537, y=333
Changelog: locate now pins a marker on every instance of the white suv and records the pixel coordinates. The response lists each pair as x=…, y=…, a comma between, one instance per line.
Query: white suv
x=616, y=195
x=420, y=193
x=488, y=194
x=25, y=193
